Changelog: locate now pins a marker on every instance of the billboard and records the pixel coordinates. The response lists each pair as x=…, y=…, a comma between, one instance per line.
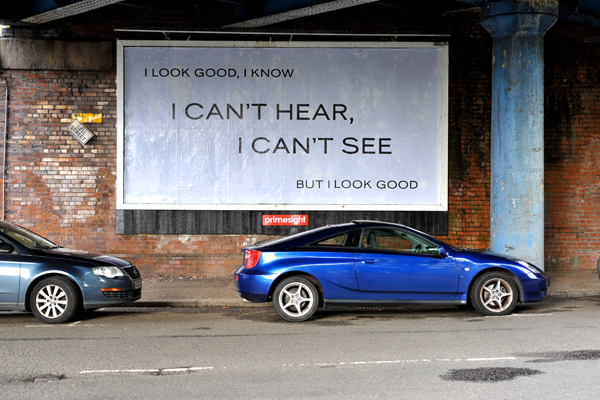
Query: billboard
x=264, y=126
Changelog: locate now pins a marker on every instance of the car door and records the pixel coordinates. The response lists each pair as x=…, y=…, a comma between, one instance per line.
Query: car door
x=393, y=264
x=10, y=273
x=332, y=262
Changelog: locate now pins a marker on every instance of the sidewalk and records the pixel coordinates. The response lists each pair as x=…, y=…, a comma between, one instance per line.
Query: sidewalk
x=220, y=292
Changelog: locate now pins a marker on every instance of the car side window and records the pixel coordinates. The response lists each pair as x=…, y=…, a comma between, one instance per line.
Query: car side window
x=346, y=239
x=7, y=248
x=396, y=240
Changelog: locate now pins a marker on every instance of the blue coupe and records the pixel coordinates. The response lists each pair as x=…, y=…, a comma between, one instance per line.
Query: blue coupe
x=370, y=263
x=57, y=284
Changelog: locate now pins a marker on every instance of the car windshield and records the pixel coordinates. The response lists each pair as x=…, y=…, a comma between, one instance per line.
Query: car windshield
x=445, y=244
x=25, y=237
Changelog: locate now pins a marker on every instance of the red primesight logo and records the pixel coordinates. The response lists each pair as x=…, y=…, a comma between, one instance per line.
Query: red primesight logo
x=283, y=220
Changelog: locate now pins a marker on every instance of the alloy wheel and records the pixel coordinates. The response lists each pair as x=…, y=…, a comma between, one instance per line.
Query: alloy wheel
x=496, y=295
x=51, y=301
x=296, y=299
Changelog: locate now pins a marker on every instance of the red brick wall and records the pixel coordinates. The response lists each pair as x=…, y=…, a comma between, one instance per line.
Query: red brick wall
x=469, y=127
x=66, y=191
x=572, y=153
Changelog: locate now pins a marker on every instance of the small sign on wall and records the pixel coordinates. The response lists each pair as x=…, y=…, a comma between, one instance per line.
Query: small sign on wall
x=285, y=220
x=80, y=132
x=88, y=118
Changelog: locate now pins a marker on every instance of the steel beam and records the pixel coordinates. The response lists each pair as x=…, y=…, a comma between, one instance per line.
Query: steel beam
x=70, y=10
x=299, y=13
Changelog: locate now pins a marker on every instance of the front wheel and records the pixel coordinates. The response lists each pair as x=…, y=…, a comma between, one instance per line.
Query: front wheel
x=494, y=293
x=55, y=300
x=296, y=299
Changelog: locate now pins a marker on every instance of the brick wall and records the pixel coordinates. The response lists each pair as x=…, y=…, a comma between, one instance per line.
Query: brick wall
x=469, y=127
x=66, y=191
x=572, y=153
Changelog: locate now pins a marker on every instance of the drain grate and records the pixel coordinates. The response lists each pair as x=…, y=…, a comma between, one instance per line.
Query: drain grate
x=48, y=378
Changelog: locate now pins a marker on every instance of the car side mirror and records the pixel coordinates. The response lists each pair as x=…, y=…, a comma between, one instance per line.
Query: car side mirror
x=6, y=248
x=442, y=252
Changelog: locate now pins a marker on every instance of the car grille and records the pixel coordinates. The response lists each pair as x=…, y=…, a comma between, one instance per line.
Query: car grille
x=123, y=295
x=132, y=272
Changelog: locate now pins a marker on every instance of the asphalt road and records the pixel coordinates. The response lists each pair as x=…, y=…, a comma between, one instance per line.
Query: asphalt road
x=548, y=350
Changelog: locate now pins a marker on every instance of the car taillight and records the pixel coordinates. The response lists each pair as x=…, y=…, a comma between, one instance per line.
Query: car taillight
x=251, y=258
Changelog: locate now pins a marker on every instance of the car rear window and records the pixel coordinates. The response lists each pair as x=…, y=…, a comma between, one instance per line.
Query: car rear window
x=345, y=239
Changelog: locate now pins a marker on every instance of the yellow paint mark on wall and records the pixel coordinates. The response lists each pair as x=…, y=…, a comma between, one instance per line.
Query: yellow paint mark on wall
x=88, y=118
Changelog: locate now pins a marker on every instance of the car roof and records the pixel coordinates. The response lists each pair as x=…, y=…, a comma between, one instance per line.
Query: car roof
x=313, y=235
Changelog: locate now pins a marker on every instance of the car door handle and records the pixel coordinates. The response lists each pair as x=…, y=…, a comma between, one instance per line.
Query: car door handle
x=368, y=261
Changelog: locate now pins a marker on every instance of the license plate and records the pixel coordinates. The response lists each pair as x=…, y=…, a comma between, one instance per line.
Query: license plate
x=137, y=284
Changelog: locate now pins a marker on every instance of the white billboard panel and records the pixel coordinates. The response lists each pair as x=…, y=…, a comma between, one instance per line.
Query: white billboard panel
x=293, y=126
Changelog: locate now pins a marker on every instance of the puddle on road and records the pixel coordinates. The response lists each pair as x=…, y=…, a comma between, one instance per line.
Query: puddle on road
x=578, y=355
x=488, y=374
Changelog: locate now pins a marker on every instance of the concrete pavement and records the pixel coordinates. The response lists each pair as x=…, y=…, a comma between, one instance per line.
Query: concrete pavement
x=220, y=292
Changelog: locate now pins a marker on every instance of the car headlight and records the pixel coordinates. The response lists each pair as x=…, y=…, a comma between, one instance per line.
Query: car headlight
x=530, y=267
x=108, y=272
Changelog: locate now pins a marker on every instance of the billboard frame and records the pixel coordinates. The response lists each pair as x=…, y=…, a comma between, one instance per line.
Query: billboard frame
x=441, y=203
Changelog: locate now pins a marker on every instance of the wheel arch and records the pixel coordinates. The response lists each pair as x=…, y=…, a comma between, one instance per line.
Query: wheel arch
x=305, y=275
x=40, y=278
x=508, y=272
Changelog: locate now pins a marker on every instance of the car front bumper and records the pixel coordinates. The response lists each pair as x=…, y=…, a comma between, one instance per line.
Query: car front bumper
x=534, y=289
x=122, y=291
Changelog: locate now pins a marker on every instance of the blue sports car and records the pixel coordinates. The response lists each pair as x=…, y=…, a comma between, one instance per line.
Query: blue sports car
x=56, y=284
x=366, y=263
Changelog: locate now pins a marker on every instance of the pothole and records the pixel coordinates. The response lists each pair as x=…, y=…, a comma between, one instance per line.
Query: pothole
x=488, y=374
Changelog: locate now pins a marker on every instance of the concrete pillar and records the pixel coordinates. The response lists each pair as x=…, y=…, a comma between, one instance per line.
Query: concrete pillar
x=517, y=189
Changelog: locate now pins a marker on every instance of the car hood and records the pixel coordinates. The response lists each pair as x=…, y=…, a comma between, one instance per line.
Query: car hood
x=488, y=252
x=499, y=256
x=485, y=251
x=85, y=256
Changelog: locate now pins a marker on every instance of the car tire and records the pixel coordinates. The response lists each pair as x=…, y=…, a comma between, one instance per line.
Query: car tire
x=295, y=299
x=55, y=300
x=494, y=293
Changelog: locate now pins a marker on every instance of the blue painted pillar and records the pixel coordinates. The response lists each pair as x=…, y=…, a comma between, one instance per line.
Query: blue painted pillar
x=517, y=188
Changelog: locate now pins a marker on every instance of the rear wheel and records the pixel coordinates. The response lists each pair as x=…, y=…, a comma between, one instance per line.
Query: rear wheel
x=494, y=293
x=296, y=299
x=55, y=300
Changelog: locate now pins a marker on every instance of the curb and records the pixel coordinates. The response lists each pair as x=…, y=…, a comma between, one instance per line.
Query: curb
x=193, y=303
x=573, y=295
x=240, y=303
x=226, y=303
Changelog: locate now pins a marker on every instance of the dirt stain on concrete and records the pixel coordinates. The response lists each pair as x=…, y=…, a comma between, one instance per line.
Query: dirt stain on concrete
x=488, y=375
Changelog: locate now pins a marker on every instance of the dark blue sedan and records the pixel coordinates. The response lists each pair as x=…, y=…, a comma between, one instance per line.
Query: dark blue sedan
x=57, y=284
x=370, y=263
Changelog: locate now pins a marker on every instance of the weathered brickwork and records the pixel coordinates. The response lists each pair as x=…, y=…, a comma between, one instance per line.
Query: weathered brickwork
x=469, y=126
x=66, y=191
x=572, y=153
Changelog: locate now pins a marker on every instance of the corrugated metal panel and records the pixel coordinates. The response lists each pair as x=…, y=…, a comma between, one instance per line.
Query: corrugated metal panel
x=180, y=222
